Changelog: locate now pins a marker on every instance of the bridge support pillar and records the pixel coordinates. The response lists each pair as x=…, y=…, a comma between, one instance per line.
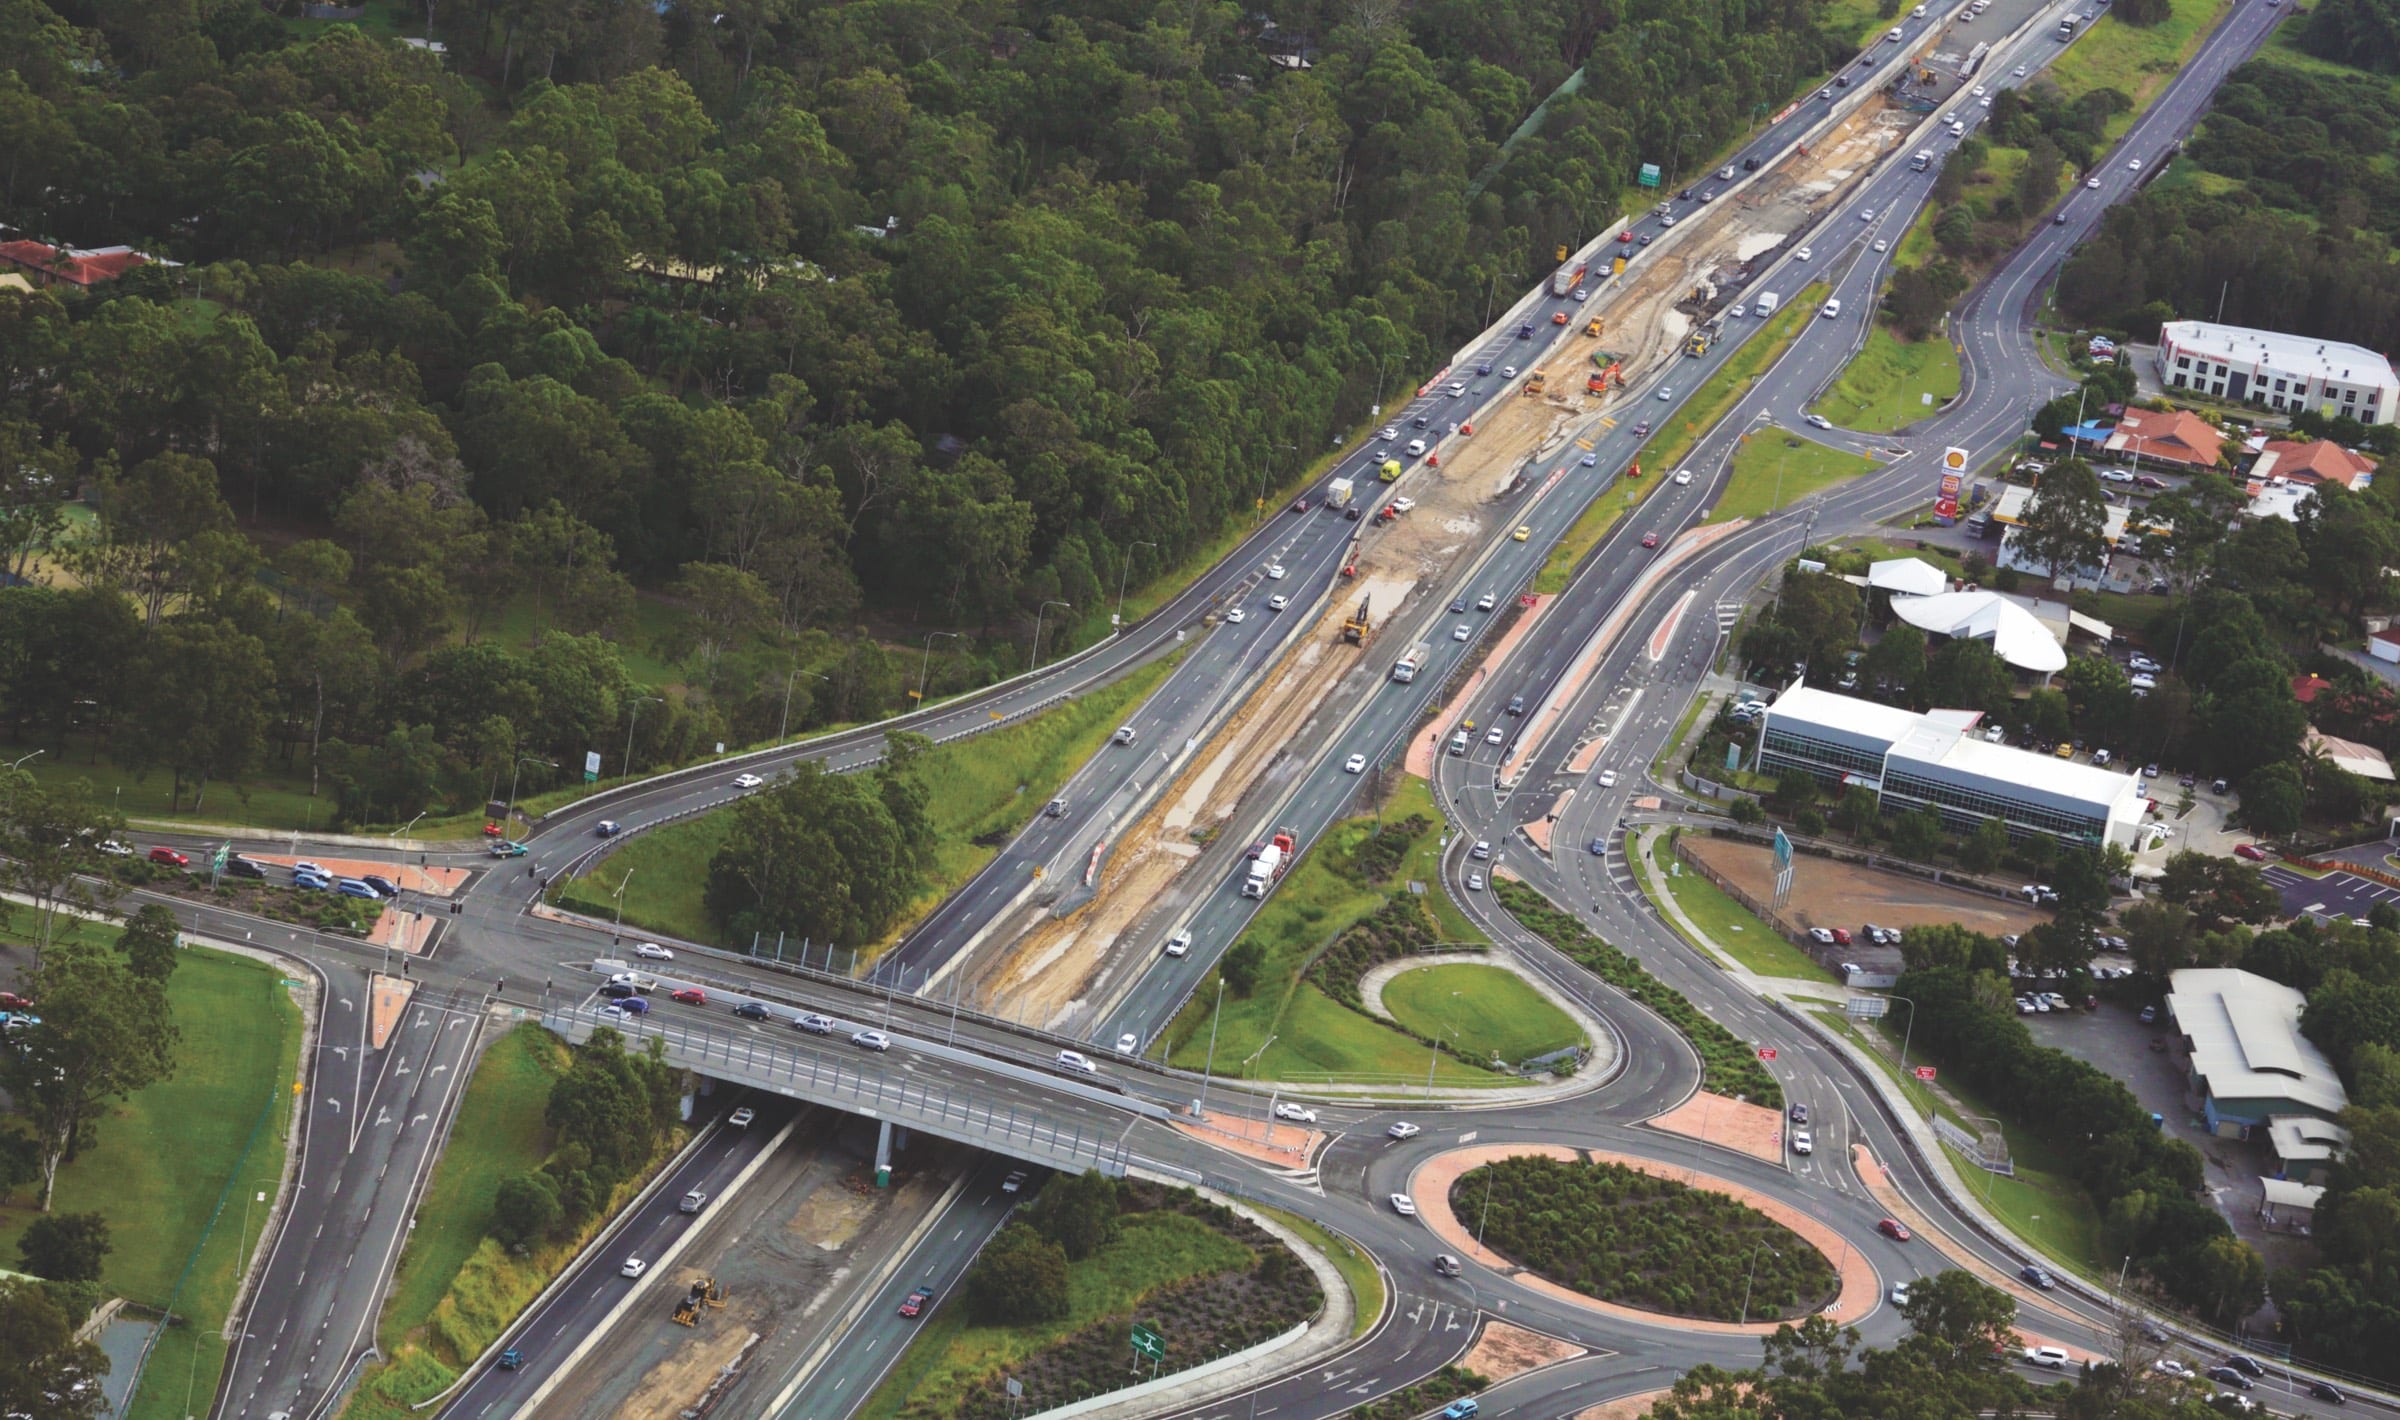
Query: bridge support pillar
x=883, y=1155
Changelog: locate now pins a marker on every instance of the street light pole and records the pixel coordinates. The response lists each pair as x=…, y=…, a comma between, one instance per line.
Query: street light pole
x=1037, y=629
x=1121, y=576
x=1266, y=470
x=521, y=761
x=1908, y=1033
x=783, y=726
x=1753, y=1277
x=1211, y=1062
x=633, y=713
x=22, y=758
x=925, y=662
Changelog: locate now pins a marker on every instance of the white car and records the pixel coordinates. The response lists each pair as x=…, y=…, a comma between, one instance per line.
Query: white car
x=1738, y=312
x=652, y=951
x=1866, y=214
x=1459, y=632
x=1591, y=460
x=1494, y=735
x=1129, y=1044
x=1819, y=421
x=1180, y=944
x=2093, y=183
x=1803, y=1143
x=1285, y=1109
x=871, y=1040
x=1979, y=91
x=1802, y=254
x=1403, y=1205
x=747, y=781
x=2054, y=1357
x=634, y=1267
x=306, y=865
x=1899, y=1294
x=1077, y=1060
x=1986, y=101
x=1683, y=475
x=1608, y=779
x=1580, y=293
x=1402, y=505
x=740, y=1118
x=2020, y=71
x=1457, y=389
x=1508, y=372
x=1666, y=392
x=2133, y=165
x=1278, y=602
x=2169, y=1366
x=1882, y=245
x=1388, y=433
x=1402, y=1130
x=1235, y=616
x=1474, y=882
x=1355, y=764
x=1275, y=571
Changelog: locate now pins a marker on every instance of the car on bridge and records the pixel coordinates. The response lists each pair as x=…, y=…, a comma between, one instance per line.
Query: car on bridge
x=871, y=1040
x=689, y=995
x=753, y=1011
x=1076, y=1060
x=1129, y=1044
x=814, y=1024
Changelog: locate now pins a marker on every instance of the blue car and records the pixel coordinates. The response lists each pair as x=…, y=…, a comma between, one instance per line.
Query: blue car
x=1461, y=1409
x=311, y=882
x=352, y=887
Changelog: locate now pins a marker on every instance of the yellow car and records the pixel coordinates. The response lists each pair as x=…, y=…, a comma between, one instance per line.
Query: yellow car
x=1524, y=531
x=2066, y=751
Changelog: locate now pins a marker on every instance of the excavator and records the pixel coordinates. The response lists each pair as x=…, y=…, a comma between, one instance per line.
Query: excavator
x=1611, y=374
x=1354, y=630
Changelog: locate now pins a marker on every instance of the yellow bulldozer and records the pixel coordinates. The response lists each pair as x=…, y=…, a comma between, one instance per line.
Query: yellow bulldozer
x=1354, y=630
x=1534, y=383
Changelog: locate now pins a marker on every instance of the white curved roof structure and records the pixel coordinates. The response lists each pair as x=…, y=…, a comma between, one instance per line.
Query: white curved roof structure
x=1908, y=576
x=2013, y=633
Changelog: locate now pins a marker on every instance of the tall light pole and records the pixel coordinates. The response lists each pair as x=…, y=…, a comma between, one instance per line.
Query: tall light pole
x=1211, y=1062
x=925, y=662
x=633, y=713
x=783, y=726
x=1037, y=628
x=1121, y=576
x=521, y=761
x=1906, y=1034
x=1266, y=470
x=1754, y=1252
x=22, y=758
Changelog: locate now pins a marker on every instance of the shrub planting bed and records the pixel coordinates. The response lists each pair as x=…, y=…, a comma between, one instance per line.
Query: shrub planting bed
x=1624, y=1236
x=1728, y=1066
x=1440, y=1388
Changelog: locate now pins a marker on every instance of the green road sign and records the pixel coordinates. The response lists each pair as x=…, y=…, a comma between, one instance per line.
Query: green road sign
x=1148, y=1344
x=1649, y=177
x=224, y=851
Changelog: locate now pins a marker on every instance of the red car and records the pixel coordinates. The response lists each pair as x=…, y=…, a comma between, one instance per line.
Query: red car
x=2250, y=851
x=169, y=857
x=914, y=1303
x=1625, y=236
x=490, y=829
x=1560, y=318
x=690, y=996
x=1300, y=505
x=1894, y=1229
x=1649, y=539
x=11, y=1001
x=1841, y=936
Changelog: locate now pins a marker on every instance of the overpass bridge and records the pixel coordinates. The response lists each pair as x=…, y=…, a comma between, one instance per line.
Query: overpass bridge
x=1024, y=1114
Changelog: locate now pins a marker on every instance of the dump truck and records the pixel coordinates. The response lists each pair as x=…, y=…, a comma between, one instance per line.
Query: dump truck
x=1270, y=864
x=1390, y=471
x=1337, y=493
x=1354, y=630
x=1534, y=383
x=1411, y=661
x=1699, y=341
x=1592, y=327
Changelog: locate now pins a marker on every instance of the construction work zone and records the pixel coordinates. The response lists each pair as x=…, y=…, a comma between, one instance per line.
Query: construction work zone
x=1049, y=969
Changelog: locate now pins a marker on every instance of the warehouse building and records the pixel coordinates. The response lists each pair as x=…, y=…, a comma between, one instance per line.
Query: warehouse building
x=2284, y=372
x=2248, y=1061
x=1941, y=760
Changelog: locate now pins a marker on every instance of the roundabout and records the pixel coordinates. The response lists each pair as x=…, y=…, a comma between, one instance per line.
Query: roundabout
x=1857, y=1284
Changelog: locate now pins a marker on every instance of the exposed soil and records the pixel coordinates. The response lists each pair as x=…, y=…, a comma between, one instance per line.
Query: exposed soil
x=1504, y=1350
x=1830, y=893
x=1046, y=968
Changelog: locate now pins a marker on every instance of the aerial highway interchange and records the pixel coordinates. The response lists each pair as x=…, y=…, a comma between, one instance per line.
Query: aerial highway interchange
x=377, y=1117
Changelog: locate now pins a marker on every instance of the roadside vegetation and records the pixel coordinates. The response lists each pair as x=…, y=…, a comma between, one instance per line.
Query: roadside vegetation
x=550, y=1142
x=1050, y=1301
x=1884, y=386
x=1725, y=925
x=697, y=879
x=1629, y=1237
x=1728, y=1065
x=170, y=1148
x=1773, y=468
x=1289, y=1008
x=1489, y=1011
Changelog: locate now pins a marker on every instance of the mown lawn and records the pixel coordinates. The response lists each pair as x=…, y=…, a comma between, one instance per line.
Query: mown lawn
x=1494, y=1013
x=1357, y=1269
x=499, y=1134
x=1728, y=926
x=1772, y=469
x=1886, y=385
x=984, y=787
x=172, y=1167
x=1150, y=1251
x=2135, y=60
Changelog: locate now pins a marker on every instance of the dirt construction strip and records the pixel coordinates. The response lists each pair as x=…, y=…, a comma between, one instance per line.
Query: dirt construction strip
x=388, y=996
x=1430, y=1187
x=1502, y=1352
x=1746, y=1128
x=1258, y=1139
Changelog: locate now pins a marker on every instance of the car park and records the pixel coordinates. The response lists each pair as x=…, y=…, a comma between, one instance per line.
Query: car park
x=2250, y=851
x=1822, y=936
x=1302, y=1114
x=1403, y=505
x=871, y=1040
x=1355, y=764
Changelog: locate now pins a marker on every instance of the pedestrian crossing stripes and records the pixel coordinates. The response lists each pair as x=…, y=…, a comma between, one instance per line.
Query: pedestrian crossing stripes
x=1727, y=614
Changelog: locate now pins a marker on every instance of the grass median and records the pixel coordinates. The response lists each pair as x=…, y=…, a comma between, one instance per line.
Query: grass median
x=177, y=1167
x=1348, y=1258
x=1677, y=436
x=1771, y=468
x=983, y=789
x=1887, y=384
x=1489, y=1011
x=1725, y=925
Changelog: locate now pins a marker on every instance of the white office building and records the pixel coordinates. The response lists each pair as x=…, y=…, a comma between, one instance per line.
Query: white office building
x=2288, y=373
x=1942, y=760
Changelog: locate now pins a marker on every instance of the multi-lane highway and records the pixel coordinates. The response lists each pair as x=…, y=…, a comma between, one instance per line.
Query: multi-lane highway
x=313, y=1315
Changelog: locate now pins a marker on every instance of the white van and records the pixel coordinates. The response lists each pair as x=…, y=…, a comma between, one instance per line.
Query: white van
x=1458, y=743
x=1832, y=311
x=1416, y=448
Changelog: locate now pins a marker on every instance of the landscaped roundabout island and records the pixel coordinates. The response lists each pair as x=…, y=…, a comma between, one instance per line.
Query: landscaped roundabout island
x=1639, y=1240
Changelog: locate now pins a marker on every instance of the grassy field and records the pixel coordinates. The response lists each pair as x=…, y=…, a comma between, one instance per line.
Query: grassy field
x=1916, y=244
x=172, y=1168
x=1771, y=469
x=1489, y=1011
x=1357, y=1268
x=1880, y=551
x=1727, y=926
x=1288, y=1029
x=1151, y=1250
x=986, y=785
x=1885, y=385
x=499, y=1134
x=2135, y=60
x=1423, y=863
